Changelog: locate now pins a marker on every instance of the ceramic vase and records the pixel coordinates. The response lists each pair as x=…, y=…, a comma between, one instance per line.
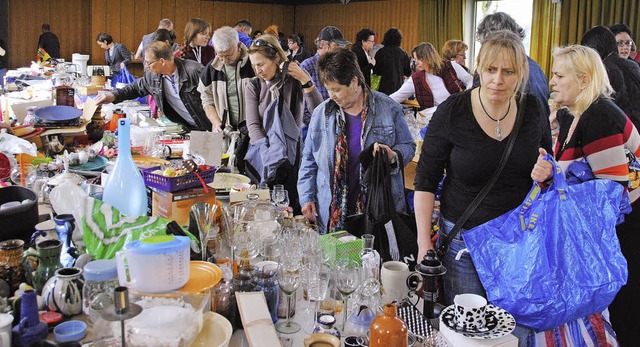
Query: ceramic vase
x=388, y=330
x=11, y=269
x=48, y=259
x=63, y=292
x=65, y=223
x=30, y=329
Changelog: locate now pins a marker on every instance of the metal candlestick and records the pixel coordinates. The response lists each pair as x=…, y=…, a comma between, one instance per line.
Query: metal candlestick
x=122, y=309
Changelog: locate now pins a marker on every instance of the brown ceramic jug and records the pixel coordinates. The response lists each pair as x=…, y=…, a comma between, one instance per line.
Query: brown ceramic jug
x=388, y=330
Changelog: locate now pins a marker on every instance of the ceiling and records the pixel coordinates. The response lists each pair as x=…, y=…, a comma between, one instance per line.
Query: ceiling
x=296, y=2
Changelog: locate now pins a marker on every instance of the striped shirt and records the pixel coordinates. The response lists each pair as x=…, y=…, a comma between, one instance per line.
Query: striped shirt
x=601, y=136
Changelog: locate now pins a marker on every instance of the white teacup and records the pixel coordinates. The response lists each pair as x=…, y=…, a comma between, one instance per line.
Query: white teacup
x=470, y=312
x=5, y=329
x=393, y=277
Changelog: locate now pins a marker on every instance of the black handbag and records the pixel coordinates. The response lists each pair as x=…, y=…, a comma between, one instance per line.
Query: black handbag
x=395, y=233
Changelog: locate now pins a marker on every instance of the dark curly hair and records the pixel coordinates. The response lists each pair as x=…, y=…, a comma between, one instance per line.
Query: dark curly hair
x=363, y=35
x=393, y=37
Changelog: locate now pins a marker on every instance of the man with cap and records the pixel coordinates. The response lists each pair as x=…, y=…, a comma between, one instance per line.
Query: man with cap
x=330, y=38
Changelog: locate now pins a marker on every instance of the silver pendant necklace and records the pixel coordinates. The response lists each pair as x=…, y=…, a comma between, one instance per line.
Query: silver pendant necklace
x=497, y=120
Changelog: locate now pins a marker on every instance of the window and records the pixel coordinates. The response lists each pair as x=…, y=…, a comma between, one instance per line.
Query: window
x=520, y=10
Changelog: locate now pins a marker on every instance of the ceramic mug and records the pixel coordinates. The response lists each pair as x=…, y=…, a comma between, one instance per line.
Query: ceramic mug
x=470, y=312
x=393, y=277
x=5, y=329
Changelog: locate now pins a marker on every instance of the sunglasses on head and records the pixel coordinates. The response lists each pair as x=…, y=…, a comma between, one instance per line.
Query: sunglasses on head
x=263, y=43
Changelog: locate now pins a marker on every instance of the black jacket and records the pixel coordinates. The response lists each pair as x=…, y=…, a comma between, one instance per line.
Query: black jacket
x=120, y=55
x=624, y=76
x=392, y=64
x=50, y=43
x=363, y=62
x=151, y=84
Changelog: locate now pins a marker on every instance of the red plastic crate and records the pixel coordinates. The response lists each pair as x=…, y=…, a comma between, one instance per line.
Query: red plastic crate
x=174, y=184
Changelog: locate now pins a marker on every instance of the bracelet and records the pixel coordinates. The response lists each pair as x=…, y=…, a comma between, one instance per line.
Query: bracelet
x=307, y=85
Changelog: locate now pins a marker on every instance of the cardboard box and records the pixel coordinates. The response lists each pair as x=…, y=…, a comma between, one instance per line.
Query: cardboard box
x=176, y=205
x=89, y=90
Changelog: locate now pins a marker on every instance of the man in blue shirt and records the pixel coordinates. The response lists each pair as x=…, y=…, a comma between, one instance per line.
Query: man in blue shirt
x=330, y=38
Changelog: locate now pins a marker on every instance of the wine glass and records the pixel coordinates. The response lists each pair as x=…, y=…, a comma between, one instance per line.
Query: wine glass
x=204, y=214
x=348, y=278
x=283, y=199
x=289, y=281
x=318, y=286
x=278, y=194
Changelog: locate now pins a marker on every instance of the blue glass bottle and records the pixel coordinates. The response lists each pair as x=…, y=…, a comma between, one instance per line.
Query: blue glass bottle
x=266, y=282
x=125, y=188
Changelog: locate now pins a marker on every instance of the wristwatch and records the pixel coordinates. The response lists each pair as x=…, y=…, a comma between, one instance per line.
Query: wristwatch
x=307, y=85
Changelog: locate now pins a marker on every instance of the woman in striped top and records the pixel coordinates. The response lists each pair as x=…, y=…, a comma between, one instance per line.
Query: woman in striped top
x=593, y=127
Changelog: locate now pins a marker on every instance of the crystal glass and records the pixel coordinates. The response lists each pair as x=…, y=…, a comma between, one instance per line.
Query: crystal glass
x=278, y=194
x=348, y=278
x=204, y=215
x=289, y=281
x=318, y=286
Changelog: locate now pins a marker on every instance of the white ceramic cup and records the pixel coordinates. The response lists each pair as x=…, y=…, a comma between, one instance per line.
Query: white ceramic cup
x=393, y=277
x=5, y=329
x=470, y=312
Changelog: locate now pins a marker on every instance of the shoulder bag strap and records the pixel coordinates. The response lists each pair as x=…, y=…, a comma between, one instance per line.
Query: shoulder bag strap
x=444, y=245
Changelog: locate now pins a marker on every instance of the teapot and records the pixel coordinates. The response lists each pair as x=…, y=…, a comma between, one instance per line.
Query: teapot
x=44, y=186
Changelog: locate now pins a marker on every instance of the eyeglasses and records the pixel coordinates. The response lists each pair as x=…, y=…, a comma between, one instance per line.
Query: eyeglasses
x=624, y=43
x=263, y=43
x=149, y=63
x=372, y=41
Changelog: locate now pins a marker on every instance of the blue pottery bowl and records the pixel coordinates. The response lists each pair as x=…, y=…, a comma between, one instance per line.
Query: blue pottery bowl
x=73, y=330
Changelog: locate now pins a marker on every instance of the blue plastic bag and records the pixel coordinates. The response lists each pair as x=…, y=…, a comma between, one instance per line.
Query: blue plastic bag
x=556, y=257
x=124, y=77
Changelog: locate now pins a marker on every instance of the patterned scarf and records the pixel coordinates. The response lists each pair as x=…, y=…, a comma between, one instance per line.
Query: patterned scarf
x=338, y=211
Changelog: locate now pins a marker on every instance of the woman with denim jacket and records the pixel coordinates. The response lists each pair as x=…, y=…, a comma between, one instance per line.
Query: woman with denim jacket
x=353, y=120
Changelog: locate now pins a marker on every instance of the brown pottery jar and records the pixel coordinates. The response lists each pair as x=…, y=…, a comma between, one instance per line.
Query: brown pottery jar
x=388, y=330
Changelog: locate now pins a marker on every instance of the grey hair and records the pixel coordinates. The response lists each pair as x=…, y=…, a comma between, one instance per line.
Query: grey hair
x=498, y=21
x=225, y=38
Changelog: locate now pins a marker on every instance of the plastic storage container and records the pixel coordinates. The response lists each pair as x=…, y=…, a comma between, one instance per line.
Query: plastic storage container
x=101, y=278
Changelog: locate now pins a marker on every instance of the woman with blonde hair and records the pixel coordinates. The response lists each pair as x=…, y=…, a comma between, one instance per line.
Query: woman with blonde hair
x=196, y=47
x=466, y=137
x=434, y=81
x=455, y=50
x=592, y=127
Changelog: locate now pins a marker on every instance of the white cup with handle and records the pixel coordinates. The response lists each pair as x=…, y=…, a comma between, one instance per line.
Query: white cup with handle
x=393, y=277
x=5, y=329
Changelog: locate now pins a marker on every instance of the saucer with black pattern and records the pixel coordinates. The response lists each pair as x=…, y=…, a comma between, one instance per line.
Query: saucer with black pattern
x=499, y=323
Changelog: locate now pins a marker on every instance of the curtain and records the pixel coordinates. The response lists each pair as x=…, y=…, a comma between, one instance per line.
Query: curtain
x=441, y=20
x=545, y=35
x=578, y=16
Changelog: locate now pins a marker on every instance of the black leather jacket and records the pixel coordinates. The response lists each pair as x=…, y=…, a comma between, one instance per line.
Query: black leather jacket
x=151, y=84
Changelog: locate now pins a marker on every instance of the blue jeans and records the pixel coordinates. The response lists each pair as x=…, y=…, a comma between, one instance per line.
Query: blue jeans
x=461, y=276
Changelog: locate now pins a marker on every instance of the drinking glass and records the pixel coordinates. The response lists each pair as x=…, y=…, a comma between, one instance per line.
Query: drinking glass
x=204, y=215
x=318, y=285
x=311, y=263
x=283, y=199
x=278, y=194
x=348, y=278
x=289, y=281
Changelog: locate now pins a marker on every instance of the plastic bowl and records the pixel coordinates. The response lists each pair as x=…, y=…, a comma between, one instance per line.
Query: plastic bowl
x=73, y=330
x=216, y=332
